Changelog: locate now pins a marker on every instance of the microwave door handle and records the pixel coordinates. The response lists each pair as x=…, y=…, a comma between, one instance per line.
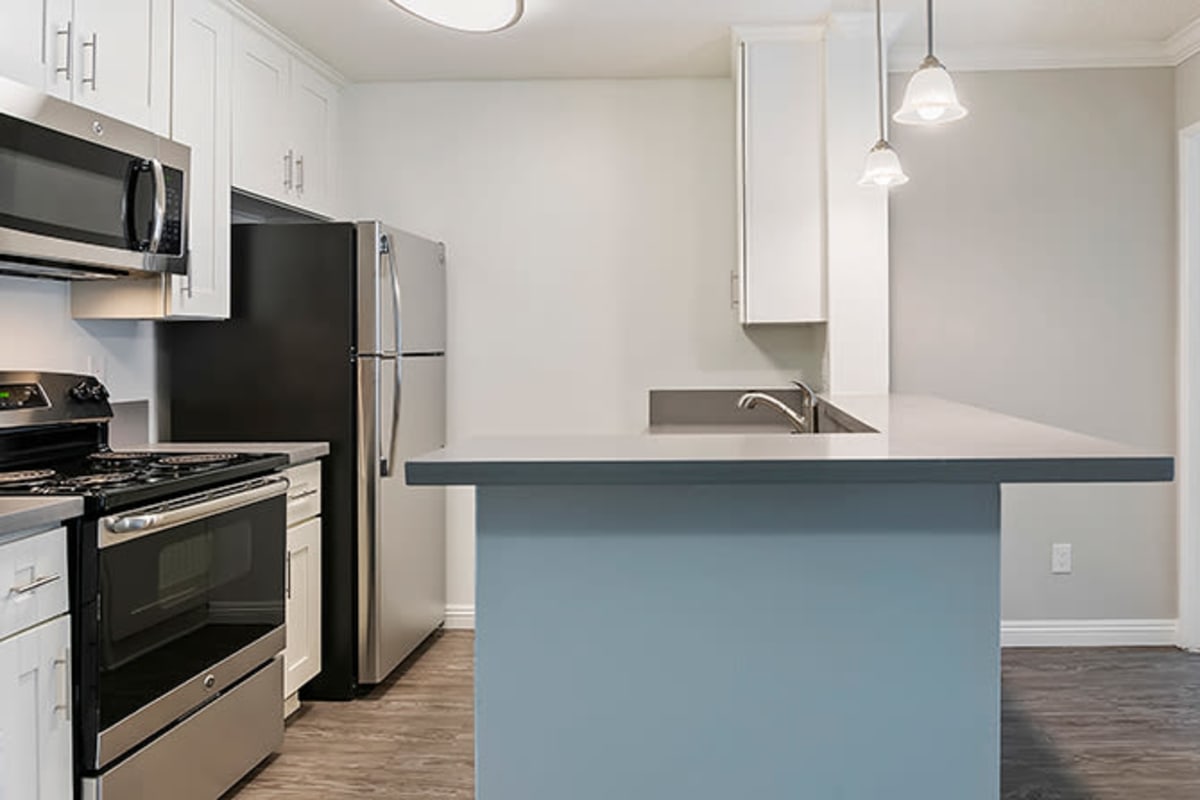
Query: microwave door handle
x=160, y=205
x=129, y=208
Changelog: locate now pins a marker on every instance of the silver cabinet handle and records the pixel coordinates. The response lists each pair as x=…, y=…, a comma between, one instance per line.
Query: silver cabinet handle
x=287, y=576
x=62, y=695
x=160, y=204
x=300, y=174
x=92, y=80
x=35, y=584
x=304, y=494
x=66, y=70
x=288, y=162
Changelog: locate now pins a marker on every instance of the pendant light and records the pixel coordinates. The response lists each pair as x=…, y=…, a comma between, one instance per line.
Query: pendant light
x=930, y=98
x=883, y=165
x=470, y=16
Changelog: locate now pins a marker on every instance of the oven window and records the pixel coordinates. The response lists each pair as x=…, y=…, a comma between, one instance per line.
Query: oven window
x=175, y=603
x=58, y=185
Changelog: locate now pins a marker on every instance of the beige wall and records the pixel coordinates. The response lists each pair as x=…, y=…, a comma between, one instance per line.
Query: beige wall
x=590, y=227
x=1033, y=272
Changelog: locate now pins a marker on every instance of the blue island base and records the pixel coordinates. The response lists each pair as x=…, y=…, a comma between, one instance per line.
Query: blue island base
x=817, y=642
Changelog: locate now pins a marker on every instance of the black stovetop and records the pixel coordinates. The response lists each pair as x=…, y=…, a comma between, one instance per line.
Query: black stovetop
x=109, y=480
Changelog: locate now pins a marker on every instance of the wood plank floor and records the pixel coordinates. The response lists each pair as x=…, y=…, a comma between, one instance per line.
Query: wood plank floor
x=1106, y=724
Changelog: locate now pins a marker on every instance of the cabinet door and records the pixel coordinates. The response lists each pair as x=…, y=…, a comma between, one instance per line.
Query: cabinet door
x=35, y=728
x=24, y=42
x=782, y=188
x=200, y=118
x=302, y=657
x=122, y=50
x=262, y=163
x=314, y=114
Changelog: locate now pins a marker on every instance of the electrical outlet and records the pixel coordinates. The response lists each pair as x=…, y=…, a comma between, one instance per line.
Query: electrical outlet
x=1060, y=559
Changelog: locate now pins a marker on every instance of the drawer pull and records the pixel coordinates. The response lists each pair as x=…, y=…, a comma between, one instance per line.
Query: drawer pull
x=35, y=584
x=302, y=495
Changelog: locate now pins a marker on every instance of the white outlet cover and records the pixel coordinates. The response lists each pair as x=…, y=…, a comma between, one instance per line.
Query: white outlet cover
x=1060, y=559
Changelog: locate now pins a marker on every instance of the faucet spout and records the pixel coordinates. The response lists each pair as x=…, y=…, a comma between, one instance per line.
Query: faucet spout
x=752, y=399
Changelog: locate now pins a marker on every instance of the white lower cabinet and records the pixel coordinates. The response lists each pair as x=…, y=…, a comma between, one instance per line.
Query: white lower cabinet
x=302, y=583
x=35, y=721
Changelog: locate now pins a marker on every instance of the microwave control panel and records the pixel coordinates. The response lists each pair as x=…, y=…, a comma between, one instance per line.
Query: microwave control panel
x=172, y=235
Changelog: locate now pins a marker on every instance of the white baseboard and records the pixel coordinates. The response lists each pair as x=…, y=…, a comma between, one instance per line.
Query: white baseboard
x=1014, y=633
x=1089, y=633
x=460, y=617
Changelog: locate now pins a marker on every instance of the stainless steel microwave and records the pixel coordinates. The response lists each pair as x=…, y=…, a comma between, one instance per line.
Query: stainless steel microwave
x=83, y=195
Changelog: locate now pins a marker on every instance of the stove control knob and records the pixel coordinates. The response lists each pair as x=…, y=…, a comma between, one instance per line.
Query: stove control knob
x=98, y=392
x=81, y=391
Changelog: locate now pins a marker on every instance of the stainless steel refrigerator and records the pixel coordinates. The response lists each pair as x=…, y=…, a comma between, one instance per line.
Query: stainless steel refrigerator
x=338, y=334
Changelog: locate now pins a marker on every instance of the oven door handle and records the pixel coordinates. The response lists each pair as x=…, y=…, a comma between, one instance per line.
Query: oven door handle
x=125, y=527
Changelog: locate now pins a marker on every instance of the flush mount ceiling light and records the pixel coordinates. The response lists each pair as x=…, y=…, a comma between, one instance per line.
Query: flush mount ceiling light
x=930, y=98
x=471, y=16
x=883, y=165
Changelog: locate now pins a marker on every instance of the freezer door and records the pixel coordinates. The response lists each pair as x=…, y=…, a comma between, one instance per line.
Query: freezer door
x=402, y=292
x=402, y=551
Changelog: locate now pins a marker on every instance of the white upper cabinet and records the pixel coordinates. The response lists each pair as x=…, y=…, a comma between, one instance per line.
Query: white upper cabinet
x=112, y=56
x=202, y=55
x=123, y=59
x=25, y=52
x=201, y=111
x=284, y=118
x=781, y=183
x=314, y=112
x=263, y=163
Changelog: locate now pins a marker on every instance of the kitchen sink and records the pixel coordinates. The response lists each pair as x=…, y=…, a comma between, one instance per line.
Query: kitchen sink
x=716, y=412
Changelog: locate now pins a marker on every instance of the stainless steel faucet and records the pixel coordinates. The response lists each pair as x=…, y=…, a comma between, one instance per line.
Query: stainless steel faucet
x=752, y=399
x=809, y=408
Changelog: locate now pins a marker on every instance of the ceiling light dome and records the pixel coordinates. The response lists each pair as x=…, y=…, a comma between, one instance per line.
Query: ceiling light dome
x=930, y=98
x=471, y=16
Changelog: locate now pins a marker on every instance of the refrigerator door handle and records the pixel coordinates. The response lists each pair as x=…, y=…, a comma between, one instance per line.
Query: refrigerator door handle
x=387, y=467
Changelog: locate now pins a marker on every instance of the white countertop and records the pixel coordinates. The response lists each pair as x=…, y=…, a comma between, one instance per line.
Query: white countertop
x=19, y=514
x=920, y=439
x=297, y=452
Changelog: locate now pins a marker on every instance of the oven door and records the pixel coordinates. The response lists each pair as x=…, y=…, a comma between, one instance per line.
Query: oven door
x=191, y=599
x=86, y=196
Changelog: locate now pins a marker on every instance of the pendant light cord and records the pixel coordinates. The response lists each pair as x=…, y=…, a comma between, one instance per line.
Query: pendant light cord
x=929, y=27
x=879, y=66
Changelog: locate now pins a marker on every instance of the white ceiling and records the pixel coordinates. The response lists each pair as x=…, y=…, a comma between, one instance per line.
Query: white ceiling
x=370, y=40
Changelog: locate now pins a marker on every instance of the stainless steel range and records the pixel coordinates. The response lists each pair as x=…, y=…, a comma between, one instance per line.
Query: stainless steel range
x=177, y=594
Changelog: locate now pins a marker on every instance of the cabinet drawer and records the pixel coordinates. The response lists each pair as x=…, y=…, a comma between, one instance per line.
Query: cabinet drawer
x=33, y=580
x=304, y=494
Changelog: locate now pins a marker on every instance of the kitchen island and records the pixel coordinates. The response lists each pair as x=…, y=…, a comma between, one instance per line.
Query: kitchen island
x=694, y=617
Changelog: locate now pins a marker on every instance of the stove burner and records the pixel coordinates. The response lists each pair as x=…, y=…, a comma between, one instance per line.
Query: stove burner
x=89, y=481
x=26, y=476
x=119, y=457
x=198, y=458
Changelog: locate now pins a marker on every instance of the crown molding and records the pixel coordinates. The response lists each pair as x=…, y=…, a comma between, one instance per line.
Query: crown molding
x=1185, y=43
x=987, y=59
x=1172, y=52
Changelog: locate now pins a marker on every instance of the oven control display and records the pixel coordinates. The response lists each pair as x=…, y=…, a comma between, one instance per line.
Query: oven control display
x=15, y=396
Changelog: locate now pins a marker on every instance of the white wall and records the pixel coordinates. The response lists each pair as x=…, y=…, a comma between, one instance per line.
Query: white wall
x=1033, y=272
x=37, y=332
x=1187, y=92
x=590, y=233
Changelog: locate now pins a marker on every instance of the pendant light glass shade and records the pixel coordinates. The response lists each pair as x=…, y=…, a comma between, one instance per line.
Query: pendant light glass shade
x=930, y=98
x=470, y=16
x=883, y=167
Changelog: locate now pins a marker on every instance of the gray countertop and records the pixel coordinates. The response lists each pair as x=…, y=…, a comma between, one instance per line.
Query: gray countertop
x=297, y=452
x=18, y=514
x=919, y=440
